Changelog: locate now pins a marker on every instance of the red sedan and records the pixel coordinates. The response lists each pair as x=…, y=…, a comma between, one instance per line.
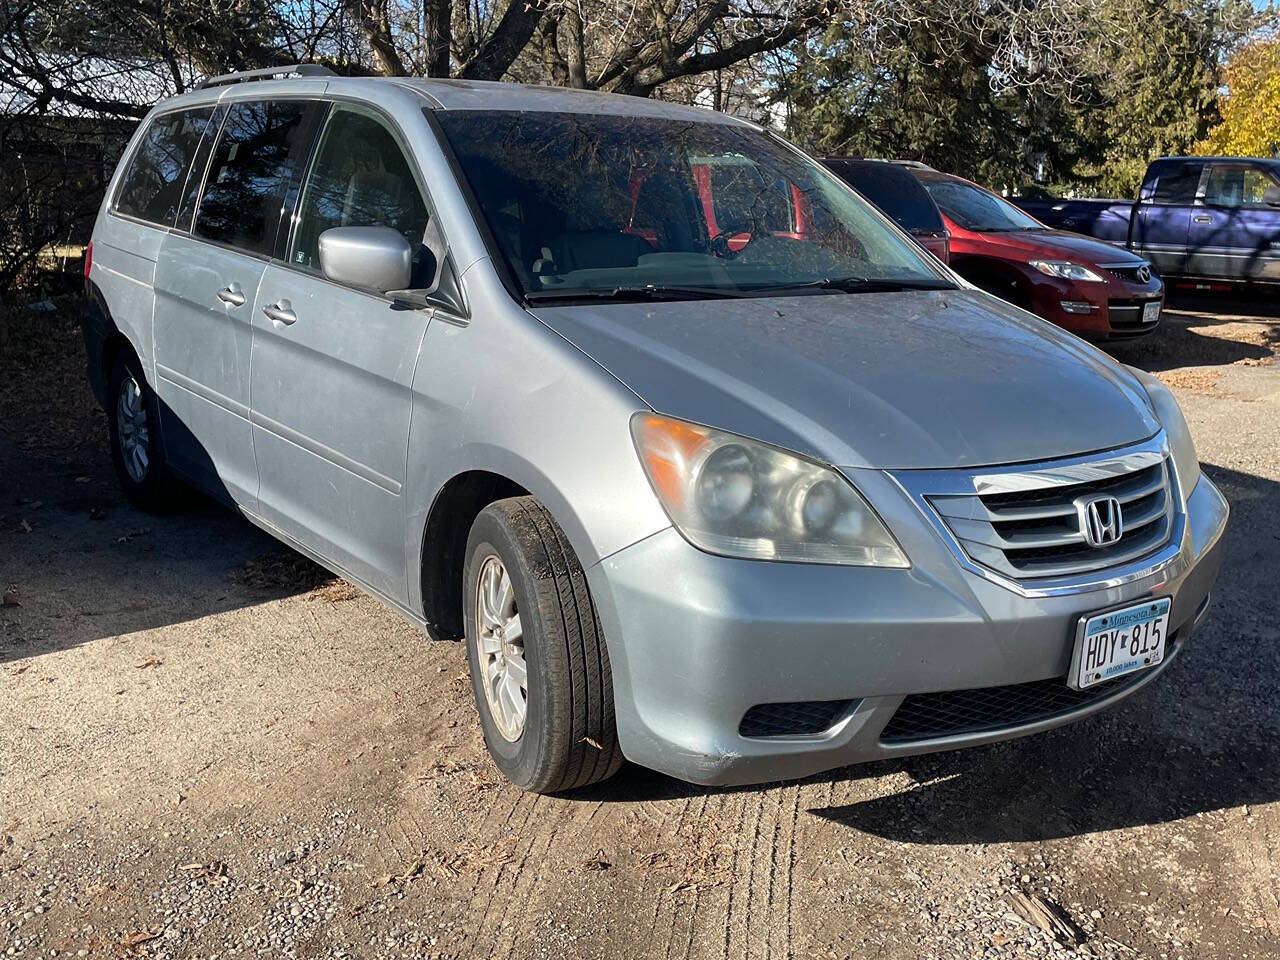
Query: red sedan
x=1091, y=288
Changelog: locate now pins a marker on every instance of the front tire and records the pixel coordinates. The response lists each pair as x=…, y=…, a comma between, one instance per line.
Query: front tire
x=133, y=419
x=539, y=667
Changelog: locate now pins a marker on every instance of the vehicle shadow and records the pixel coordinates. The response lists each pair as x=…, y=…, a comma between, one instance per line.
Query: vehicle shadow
x=1205, y=737
x=78, y=562
x=1199, y=331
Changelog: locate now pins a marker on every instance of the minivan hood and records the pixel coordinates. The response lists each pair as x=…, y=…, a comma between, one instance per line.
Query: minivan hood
x=952, y=378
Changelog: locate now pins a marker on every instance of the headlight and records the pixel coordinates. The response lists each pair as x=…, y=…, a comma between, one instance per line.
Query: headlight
x=741, y=498
x=1185, y=461
x=1066, y=270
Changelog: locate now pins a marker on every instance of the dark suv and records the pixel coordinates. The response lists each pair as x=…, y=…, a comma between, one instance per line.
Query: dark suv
x=892, y=187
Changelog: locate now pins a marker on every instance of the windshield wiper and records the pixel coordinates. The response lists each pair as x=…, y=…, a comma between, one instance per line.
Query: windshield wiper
x=862, y=285
x=648, y=291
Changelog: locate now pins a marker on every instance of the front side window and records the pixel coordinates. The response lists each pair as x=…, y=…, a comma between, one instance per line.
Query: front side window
x=1236, y=185
x=360, y=178
x=593, y=204
x=249, y=173
x=152, y=187
x=1177, y=184
x=976, y=209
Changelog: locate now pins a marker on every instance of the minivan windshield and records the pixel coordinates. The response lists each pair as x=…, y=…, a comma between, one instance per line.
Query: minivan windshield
x=593, y=205
x=976, y=209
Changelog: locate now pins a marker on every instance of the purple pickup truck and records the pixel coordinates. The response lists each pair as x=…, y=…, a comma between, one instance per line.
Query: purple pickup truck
x=1203, y=222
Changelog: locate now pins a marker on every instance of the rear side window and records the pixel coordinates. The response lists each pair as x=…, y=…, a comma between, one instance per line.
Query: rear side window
x=1236, y=185
x=895, y=191
x=249, y=173
x=1177, y=184
x=360, y=178
x=152, y=186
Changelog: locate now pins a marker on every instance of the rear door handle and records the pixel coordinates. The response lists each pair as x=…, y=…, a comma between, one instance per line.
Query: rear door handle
x=232, y=294
x=1202, y=219
x=281, y=312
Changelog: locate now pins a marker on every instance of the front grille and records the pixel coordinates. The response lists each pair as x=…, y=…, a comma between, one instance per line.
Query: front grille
x=928, y=716
x=1128, y=274
x=1036, y=531
x=1125, y=316
x=807, y=718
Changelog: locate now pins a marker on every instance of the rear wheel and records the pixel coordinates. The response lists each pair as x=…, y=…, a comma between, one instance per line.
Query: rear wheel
x=133, y=422
x=539, y=668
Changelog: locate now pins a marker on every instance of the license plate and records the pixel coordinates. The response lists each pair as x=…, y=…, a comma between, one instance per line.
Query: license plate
x=1151, y=312
x=1117, y=642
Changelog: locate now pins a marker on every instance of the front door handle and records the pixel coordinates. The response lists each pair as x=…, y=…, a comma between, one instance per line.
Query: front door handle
x=281, y=312
x=1202, y=219
x=232, y=294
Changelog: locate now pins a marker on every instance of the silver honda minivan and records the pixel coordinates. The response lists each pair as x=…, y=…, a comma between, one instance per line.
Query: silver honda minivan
x=708, y=464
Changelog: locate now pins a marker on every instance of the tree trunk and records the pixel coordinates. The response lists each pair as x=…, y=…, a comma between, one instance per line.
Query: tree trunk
x=438, y=20
x=576, y=54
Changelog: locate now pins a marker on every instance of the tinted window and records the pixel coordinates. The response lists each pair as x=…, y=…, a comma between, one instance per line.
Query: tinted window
x=1177, y=184
x=592, y=202
x=152, y=187
x=1236, y=185
x=894, y=190
x=360, y=178
x=249, y=172
x=976, y=209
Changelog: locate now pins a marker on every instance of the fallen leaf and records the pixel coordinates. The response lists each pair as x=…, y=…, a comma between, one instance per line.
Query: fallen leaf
x=26, y=527
x=138, y=937
x=149, y=662
x=597, y=863
x=10, y=597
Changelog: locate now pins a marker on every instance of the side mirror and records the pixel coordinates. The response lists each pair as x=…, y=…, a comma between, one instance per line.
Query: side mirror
x=1271, y=197
x=375, y=258
x=444, y=291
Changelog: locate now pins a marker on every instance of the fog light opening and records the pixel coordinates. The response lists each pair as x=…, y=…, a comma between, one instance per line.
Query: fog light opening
x=1076, y=306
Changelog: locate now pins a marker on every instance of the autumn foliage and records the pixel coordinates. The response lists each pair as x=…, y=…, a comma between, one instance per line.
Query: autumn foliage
x=1250, y=107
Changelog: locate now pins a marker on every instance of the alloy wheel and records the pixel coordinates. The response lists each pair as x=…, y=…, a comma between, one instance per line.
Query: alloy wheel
x=500, y=648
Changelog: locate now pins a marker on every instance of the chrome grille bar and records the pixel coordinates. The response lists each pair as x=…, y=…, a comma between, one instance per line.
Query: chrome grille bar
x=1025, y=524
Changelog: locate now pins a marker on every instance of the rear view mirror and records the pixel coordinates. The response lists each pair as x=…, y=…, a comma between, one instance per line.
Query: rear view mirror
x=374, y=258
x=1271, y=197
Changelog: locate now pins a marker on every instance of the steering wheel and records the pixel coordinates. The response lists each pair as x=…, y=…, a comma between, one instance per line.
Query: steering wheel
x=720, y=242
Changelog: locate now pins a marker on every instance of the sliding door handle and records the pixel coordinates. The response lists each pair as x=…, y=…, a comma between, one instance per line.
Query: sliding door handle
x=280, y=312
x=232, y=294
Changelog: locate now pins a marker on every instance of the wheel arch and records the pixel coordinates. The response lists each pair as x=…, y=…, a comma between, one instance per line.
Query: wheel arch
x=104, y=342
x=990, y=273
x=443, y=549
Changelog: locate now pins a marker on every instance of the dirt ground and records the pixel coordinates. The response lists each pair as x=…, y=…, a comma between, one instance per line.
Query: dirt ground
x=210, y=748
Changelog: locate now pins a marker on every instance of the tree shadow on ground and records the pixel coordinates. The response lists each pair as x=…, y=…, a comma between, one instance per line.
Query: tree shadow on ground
x=1198, y=332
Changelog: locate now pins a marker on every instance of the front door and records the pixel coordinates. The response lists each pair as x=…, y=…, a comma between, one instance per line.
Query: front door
x=1161, y=221
x=206, y=282
x=333, y=365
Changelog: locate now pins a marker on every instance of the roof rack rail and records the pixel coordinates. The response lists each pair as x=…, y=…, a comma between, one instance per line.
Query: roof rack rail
x=267, y=73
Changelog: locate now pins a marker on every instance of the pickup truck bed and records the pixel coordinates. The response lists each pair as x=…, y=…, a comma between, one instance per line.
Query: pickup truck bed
x=1196, y=218
x=1104, y=219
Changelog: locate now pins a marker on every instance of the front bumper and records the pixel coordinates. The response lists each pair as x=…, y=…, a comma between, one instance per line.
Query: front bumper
x=696, y=641
x=1114, y=308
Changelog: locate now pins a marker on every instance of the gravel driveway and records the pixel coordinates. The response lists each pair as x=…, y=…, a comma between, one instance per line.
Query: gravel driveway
x=210, y=748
